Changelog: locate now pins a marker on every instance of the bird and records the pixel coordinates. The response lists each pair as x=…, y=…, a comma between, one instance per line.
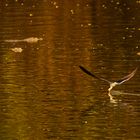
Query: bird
x=112, y=84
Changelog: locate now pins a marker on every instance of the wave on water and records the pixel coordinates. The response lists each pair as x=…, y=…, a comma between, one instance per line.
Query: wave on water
x=28, y=40
x=114, y=92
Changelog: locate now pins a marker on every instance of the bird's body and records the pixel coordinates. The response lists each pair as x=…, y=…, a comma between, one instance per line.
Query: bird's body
x=112, y=84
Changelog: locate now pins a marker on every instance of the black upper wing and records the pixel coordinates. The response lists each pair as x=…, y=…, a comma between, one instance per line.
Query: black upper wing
x=91, y=74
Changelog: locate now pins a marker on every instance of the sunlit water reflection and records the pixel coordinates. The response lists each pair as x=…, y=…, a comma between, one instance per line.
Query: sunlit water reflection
x=44, y=94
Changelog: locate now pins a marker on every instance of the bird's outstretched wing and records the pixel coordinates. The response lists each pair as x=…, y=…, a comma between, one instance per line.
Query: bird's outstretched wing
x=91, y=74
x=127, y=77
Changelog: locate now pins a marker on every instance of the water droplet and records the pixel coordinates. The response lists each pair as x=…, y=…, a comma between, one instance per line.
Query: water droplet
x=77, y=4
x=85, y=122
x=89, y=24
x=138, y=1
x=54, y=3
x=72, y=11
x=118, y=3
x=138, y=53
x=104, y=6
x=30, y=14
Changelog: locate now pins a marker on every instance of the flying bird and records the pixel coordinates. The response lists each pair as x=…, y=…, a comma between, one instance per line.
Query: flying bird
x=112, y=84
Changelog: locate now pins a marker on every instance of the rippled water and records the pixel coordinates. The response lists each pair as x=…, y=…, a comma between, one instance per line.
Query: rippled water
x=44, y=94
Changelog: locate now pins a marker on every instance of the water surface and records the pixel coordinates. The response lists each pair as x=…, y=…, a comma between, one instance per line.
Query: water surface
x=43, y=93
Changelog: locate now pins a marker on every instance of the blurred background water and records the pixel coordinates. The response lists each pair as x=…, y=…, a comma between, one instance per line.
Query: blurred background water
x=43, y=93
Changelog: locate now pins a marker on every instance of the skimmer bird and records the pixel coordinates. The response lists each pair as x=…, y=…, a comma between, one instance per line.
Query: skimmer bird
x=112, y=84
